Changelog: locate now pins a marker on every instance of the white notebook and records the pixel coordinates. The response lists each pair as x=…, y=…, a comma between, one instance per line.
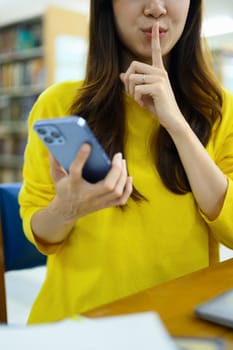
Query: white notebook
x=218, y=309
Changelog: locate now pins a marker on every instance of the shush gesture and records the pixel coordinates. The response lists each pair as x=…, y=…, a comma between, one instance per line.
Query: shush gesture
x=149, y=85
x=166, y=203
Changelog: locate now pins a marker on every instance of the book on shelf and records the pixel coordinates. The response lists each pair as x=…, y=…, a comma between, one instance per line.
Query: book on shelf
x=7, y=175
x=21, y=73
x=17, y=109
x=21, y=37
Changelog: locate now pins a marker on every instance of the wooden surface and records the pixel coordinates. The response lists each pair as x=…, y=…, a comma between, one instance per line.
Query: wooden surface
x=175, y=302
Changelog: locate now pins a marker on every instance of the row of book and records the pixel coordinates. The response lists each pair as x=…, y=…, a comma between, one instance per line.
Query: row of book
x=10, y=175
x=20, y=37
x=17, y=108
x=14, y=145
x=11, y=158
x=18, y=74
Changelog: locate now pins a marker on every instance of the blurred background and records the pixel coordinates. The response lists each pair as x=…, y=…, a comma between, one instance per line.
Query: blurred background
x=43, y=42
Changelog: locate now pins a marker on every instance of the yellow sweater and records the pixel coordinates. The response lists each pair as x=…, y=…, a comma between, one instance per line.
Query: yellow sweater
x=113, y=253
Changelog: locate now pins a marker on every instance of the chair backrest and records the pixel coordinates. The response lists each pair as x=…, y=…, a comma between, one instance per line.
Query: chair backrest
x=16, y=252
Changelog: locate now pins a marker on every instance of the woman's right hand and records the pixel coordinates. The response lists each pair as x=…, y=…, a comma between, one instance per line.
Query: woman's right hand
x=77, y=197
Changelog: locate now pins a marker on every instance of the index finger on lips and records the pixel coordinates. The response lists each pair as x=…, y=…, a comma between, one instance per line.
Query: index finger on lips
x=157, y=60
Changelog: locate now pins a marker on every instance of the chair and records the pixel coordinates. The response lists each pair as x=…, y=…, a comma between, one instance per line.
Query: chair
x=16, y=252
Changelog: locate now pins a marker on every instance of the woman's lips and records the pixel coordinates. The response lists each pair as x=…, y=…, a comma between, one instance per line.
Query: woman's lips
x=148, y=33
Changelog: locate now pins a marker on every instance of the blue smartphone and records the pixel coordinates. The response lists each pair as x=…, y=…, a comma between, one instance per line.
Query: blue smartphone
x=64, y=136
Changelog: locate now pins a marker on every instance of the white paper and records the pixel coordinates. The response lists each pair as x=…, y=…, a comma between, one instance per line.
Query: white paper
x=142, y=331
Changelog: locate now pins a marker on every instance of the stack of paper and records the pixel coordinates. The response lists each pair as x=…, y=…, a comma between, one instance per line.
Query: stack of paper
x=135, y=331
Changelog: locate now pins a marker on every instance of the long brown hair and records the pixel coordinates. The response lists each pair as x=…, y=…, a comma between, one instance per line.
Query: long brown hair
x=101, y=102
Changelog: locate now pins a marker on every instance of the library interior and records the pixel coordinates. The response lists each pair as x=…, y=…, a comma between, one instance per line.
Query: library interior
x=45, y=42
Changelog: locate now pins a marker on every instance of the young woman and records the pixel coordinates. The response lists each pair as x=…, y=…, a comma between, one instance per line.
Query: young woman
x=155, y=106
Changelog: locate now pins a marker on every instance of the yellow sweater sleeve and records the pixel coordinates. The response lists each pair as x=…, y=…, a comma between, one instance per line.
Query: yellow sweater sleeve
x=38, y=185
x=221, y=149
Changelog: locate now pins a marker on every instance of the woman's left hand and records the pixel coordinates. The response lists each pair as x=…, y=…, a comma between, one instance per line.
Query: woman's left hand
x=150, y=87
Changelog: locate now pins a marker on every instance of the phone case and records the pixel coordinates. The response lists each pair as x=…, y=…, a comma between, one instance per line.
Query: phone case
x=64, y=136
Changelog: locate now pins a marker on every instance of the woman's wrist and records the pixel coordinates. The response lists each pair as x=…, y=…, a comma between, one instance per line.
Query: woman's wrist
x=63, y=211
x=53, y=224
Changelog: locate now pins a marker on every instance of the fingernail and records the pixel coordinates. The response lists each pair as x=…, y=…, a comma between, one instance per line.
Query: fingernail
x=86, y=147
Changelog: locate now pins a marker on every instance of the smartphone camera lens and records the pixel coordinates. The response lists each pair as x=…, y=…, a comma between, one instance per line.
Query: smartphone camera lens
x=50, y=135
x=48, y=139
x=55, y=134
x=41, y=131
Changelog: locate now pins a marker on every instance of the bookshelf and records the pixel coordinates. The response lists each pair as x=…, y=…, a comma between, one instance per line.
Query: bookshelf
x=31, y=52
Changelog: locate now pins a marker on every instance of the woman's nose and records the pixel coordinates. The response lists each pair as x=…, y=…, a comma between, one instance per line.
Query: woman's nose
x=155, y=8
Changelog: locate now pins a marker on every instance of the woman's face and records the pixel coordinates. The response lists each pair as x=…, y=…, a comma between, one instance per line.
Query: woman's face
x=134, y=20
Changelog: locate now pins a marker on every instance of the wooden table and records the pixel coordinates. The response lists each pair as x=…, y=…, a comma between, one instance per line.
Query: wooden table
x=175, y=302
